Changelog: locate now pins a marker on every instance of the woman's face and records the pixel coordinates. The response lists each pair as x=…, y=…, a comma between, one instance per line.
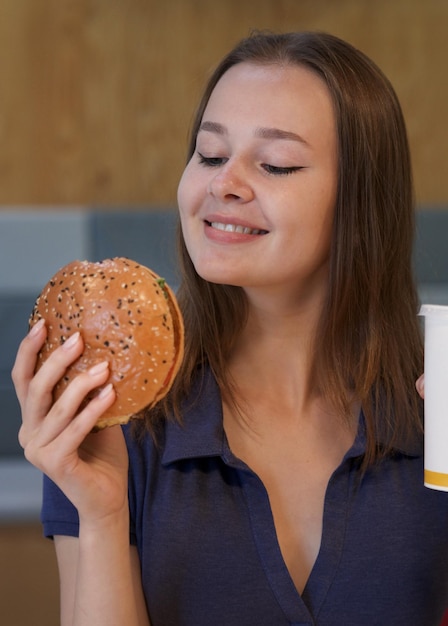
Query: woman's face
x=257, y=198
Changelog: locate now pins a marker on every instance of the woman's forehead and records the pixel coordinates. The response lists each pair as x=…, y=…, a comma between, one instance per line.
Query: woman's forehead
x=274, y=100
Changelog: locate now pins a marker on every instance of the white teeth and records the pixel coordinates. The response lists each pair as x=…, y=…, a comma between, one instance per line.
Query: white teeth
x=218, y=225
x=233, y=228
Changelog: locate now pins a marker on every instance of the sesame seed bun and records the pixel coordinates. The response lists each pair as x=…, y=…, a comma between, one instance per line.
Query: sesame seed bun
x=128, y=316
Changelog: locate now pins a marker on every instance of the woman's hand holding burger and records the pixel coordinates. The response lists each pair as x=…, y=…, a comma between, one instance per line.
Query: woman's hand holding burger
x=106, y=341
x=91, y=469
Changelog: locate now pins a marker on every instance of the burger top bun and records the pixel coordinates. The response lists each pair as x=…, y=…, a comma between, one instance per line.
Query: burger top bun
x=126, y=315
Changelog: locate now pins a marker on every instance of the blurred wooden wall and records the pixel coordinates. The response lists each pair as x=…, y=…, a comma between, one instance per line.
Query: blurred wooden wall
x=96, y=96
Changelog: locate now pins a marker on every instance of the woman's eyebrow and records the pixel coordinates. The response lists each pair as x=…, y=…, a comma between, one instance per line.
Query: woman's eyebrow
x=213, y=127
x=278, y=133
x=262, y=132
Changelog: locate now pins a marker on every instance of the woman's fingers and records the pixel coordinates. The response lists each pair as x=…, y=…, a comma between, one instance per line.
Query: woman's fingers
x=56, y=435
x=41, y=386
x=43, y=420
x=46, y=427
x=35, y=391
x=37, y=388
x=54, y=448
x=420, y=385
x=25, y=363
x=68, y=405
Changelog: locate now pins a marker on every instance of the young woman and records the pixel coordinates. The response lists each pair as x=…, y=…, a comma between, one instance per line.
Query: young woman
x=285, y=481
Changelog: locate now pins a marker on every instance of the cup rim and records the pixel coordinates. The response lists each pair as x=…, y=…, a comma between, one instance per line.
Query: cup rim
x=437, y=310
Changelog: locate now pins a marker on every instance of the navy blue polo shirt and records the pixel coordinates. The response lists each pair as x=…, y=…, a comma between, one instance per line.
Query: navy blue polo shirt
x=204, y=530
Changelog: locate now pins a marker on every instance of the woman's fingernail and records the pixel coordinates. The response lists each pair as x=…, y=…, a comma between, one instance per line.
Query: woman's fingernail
x=71, y=341
x=37, y=327
x=99, y=368
x=105, y=391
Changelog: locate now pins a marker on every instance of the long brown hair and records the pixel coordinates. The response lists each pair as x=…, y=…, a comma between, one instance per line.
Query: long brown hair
x=369, y=341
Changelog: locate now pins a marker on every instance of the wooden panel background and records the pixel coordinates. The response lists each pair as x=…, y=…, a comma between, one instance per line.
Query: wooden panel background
x=96, y=96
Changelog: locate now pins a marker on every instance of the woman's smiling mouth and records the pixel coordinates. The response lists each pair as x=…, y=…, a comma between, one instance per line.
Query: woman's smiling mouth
x=236, y=228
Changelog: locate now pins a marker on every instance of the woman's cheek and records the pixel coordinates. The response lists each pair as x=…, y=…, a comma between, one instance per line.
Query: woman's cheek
x=186, y=190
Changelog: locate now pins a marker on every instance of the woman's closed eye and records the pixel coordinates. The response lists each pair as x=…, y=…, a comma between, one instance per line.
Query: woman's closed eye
x=281, y=171
x=211, y=161
x=275, y=170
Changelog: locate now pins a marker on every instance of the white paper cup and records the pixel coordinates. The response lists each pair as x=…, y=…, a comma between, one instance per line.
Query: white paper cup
x=436, y=396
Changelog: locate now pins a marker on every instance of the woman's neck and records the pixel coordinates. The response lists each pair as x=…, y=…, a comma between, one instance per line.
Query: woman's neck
x=274, y=356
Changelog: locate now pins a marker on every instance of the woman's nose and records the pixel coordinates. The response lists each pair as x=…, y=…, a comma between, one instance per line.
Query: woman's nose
x=229, y=184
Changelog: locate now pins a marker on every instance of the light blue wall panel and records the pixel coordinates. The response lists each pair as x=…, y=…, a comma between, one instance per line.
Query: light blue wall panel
x=35, y=243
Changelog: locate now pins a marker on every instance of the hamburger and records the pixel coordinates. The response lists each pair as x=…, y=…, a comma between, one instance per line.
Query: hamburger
x=126, y=315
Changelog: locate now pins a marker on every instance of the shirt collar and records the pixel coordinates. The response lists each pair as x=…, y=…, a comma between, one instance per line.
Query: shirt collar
x=411, y=446
x=201, y=433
